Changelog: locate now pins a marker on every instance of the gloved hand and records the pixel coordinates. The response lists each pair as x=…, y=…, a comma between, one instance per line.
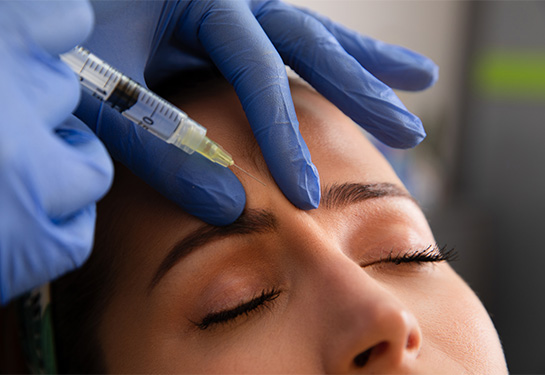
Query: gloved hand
x=52, y=167
x=249, y=41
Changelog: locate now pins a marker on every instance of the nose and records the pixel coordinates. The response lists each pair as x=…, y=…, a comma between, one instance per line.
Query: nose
x=392, y=346
x=369, y=328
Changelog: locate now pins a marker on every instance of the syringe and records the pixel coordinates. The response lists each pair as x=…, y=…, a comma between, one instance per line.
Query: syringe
x=144, y=107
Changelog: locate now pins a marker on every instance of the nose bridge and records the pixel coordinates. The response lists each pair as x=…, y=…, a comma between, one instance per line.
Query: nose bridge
x=364, y=323
x=353, y=294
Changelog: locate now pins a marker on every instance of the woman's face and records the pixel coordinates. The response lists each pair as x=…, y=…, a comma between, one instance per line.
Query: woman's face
x=348, y=287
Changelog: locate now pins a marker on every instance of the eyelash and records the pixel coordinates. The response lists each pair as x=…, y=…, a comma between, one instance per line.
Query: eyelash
x=245, y=308
x=432, y=253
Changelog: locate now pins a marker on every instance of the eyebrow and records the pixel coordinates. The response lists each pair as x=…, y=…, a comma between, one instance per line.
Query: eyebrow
x=255, y=221
x=251, y=221
x=337, y=196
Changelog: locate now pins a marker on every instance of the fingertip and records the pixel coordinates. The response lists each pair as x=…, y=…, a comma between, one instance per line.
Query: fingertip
x=433, y=71
x=410, y=135
x=82, y=21
x=94, y=159
x=309, y=189
x=300, y=184
x=223, y=206
x=76, y=231
x=57, y=26
x=205, y=190
x=417, y=137
x=85, y=17
x=404, y=69
x=418, y=132
x=421, y=74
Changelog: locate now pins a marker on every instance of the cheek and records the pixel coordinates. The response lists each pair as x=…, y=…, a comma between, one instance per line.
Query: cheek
x=455, y=325
x=269, y=350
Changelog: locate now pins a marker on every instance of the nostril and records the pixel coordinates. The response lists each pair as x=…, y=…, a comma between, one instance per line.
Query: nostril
x=361, y=359
x=413, y=342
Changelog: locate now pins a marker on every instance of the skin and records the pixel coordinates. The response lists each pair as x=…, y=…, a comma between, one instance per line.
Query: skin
x=337, y=296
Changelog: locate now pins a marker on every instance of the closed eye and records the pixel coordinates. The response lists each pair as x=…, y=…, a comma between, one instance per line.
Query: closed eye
x=246, y=308
x=432, y=253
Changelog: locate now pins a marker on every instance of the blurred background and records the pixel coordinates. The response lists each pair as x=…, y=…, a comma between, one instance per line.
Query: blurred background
x=480, y=174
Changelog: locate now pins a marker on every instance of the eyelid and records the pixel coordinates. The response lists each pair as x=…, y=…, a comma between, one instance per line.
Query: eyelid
x=244, y=308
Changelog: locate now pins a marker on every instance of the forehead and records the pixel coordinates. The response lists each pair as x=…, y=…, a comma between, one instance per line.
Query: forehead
x=338, y=146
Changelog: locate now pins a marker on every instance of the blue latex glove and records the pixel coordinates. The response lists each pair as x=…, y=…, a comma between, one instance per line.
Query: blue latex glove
x=249, y=41
x=52, y=167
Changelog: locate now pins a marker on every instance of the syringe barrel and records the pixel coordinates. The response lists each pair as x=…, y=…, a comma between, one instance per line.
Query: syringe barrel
x=135, y=102
x=95, y=75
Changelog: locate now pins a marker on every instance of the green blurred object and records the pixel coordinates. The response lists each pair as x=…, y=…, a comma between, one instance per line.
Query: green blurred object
x=518, y=75
x=37, y=331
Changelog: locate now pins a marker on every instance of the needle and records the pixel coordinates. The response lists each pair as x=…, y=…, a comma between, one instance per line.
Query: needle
x=252, y=176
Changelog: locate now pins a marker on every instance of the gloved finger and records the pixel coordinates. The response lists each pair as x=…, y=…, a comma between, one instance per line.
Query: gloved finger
x=40, y=101
x=56, y=26
x=49, y=194
x=125, y=51
x=244, y=54
x=63, y=246
x=397, y=67
x=52, y=88
x=32, y=75
x=314, y=53
x=204, y=189
x=82, y=171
